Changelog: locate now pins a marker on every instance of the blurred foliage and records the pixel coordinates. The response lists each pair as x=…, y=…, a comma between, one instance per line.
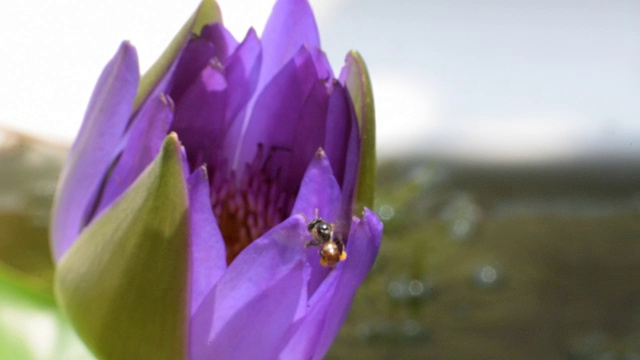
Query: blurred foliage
x=30, y=325
x=27, y=182
x=476, y=263
x=31, y=328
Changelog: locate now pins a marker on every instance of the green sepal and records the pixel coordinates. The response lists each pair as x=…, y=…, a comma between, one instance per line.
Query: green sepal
x=123, y=283
x=359, y=87
x=207, y=12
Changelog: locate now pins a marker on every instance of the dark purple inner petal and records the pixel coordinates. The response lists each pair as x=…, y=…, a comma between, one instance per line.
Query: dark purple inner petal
x=277, y=111
x=352, y=166
x=224, y=42
x=214, y=44
x=195, y=57
x=200, y=117
x=242, y=71
x=338, y=129
x=342, y=144
x=309, y=134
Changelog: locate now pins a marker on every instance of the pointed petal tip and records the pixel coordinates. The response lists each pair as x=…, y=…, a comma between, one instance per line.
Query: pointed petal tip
x=208, y=12
x=172, y=138
x=173, y=147
x=353, y=57
x=203, y=171
x=291, y=25
x=126, y=45
x=353, y=54
x=319, y=190
x=366, y=212
x=252, y=32
x=127, y=58
x=168, y=102
x=371, y=219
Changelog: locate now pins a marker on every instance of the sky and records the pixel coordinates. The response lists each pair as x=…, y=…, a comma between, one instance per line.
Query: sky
x=493, y=80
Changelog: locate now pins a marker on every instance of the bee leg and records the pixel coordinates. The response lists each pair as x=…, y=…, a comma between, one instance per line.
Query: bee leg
x=311, y=243
x=343, y=251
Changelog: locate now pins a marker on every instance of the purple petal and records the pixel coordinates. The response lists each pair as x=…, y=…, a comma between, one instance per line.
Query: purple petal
x=196, y=56
x=277, y=111
x=351, y=166
x=319, y=191
x=142, y=144
x=207, y=258
x=225, y=44
x=290, y=26
x=95, y=147
x=214, y=42
x=186, y=170
x=242, y=69
x=363, y=244
x=338, y=129
x=199, y=118
x=309, y=131
x=310, y=134
x=329, y=306
x=172, y=85
x=323, y=68
x=265, y=284
x=342, y=143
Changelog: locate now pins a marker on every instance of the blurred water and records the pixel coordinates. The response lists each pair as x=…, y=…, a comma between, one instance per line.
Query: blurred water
x=502, y=262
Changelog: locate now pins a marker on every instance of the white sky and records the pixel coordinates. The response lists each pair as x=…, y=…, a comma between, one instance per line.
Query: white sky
x=527, y=80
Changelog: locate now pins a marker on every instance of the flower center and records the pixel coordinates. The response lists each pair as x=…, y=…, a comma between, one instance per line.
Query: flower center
x=247, y=209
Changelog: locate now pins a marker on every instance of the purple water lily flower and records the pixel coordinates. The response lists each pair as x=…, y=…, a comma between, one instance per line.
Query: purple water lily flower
x=266, y=139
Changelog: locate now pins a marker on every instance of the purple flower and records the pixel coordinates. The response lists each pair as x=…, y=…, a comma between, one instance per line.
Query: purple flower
x=181, y=222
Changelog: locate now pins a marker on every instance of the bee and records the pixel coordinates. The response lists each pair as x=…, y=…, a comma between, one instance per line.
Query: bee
x=331, y=246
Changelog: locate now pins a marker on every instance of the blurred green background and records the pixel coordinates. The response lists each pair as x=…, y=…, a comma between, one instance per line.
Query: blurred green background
x=484, y=262
x=30, y=325
x=477, y=262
